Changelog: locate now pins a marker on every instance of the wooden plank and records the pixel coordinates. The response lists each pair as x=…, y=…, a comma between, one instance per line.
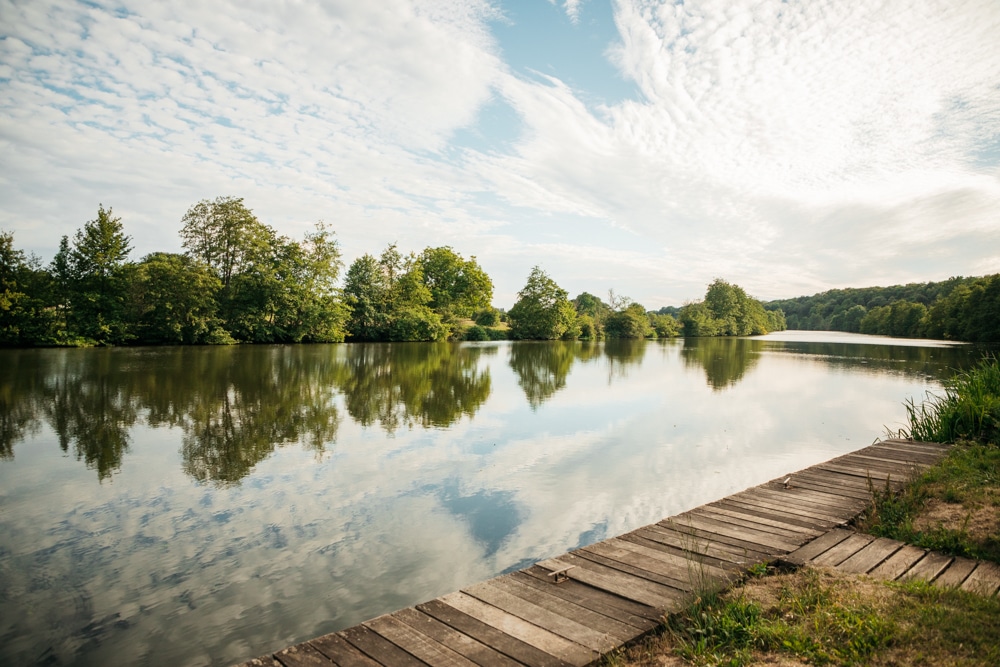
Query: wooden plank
x=689, y=562
x=824, y=542
x=904, y=471
x=540, y=638
x=378, y=648
x=567, y=628
x=769, y=503
x=739, y=531
x=640, y=617
x=814, y=484
x=695, y=543
x=728, y=534
x=911, y=462
x=877, y=476
x=748, y=516
x=913, y=445
x=341, y=652
x=419, y=645
x=618, y=631
x=620, y=565
x=462, y=644
x=898, y=563
x=490, y=636
x=928, y=567
x=871, y=556
x=796, y=534
x=796, y=502
x=768, y=510
x=956, y=573
x=837, y=554
x=686, y=576
x=617, y=582
x=985, y=579
x=672, y=542
x=925, y=458
x=840, y=481
x=834, y=504
x=302, y=655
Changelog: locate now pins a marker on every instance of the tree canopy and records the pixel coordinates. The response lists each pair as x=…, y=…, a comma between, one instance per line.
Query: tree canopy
x=542, y=311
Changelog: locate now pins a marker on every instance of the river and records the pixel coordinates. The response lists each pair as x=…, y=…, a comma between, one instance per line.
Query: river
x=204, y=505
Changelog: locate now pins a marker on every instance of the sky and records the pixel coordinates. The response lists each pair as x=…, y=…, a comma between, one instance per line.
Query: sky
x=643, y=146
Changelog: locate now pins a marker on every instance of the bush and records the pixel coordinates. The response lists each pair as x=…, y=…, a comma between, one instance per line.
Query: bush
x=488, y=317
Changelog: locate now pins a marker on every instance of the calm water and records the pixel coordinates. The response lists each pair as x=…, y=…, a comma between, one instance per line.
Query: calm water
x=195, y=506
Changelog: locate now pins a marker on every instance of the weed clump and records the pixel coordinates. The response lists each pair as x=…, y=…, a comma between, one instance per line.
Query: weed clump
x=968, y=410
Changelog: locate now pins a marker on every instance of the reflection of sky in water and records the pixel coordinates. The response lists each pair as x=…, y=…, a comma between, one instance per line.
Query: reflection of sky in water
x=150, y=566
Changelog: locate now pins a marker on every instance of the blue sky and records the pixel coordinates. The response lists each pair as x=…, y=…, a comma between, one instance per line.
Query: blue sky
x=636, y=145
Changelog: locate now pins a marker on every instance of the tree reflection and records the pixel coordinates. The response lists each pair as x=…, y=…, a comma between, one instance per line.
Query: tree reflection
x=725, y=360
x=90, y=408
x=20, y=390
x=407, y=384
x=541, y=368
x=623, y=353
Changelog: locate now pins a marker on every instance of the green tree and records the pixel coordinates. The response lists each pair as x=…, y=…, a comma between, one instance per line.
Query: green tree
x=630, y=322
x=175, y=301
x=25, y=297
x=665, y=326
x=592, y=313
x=458, y=287
x=542, y=311
x=366, y=293
x=96, y=277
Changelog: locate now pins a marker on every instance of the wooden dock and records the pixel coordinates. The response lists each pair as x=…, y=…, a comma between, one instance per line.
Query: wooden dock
x=571, y=609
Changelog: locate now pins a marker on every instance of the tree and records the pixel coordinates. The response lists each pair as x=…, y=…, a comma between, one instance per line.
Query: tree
x=629, y=322
x=225, y=235
x=25, y=317
x=174, y=301
x=95, y=275
x=542, y=311
x=458, y=287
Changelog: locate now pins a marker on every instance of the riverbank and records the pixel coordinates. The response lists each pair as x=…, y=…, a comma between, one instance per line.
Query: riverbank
x=819, y=616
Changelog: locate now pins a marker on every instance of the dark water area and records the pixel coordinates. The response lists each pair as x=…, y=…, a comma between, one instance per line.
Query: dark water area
x=200, y=506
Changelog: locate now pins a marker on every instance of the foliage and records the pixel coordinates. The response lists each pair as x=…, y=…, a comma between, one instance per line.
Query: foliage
x=487, y=317
x=810, y=620
x=458, y=287
x=664, y=325
x=542, y=311
x=629, y=322
x=968, y=410
x=174, y=298
x=388, y=300
x=25, y=293
x=728, y=311
x=954, y=309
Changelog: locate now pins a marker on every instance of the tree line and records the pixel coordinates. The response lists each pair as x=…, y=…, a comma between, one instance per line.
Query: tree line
x=238, y=280
x=966, y=309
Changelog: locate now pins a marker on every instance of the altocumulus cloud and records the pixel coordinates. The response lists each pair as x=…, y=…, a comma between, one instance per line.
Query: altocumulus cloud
x=789, y=146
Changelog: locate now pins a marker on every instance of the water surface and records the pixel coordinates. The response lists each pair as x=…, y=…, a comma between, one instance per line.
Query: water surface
x=197, y=506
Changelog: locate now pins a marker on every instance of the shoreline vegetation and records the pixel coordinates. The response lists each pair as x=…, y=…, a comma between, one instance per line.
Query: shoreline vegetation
x=239, y=281
x=820, y=617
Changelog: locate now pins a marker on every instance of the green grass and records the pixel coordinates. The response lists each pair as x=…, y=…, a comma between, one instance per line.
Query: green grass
x=968, y=410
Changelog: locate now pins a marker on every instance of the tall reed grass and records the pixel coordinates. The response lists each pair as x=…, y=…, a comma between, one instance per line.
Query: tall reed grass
x=969, y=409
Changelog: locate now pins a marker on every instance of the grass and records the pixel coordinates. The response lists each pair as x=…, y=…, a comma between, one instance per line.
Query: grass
x=968, y=410
x=821, y=617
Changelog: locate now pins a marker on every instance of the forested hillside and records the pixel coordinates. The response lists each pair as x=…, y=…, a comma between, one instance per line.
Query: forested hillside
x=959, y=308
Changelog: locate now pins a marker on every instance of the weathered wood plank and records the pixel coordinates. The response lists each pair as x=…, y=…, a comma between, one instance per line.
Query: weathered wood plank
x=794, y=502
x=745, y=533
x=417, y=644
x=928, y=567
x=620, y=565
x=824, y=542
x=542, y=639
x=871, y=556
x=567, y=628
x=985, y=579
x=776, y=505
x=490, y=636
x=956, y=573
x=701, y=529
x=459, y=642
x=302, y=655
x=792, y=530
x=688, y=563
x=341, y=652
x=618, y=631
x=724, y=557
x=617, y=582
x=797, y=535
x=639, y=616
x=769, y=510
x=902, y=471
x=837, y=554
x=835, y=504
x=378, y=648
x=898, y=563
x=824, y=483
x=924, y=458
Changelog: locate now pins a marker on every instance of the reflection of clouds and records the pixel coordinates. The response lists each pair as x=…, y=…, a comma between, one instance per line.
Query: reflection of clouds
x=132, y=570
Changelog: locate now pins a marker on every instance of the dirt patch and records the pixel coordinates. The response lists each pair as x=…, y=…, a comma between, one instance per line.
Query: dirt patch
x=981, y=523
